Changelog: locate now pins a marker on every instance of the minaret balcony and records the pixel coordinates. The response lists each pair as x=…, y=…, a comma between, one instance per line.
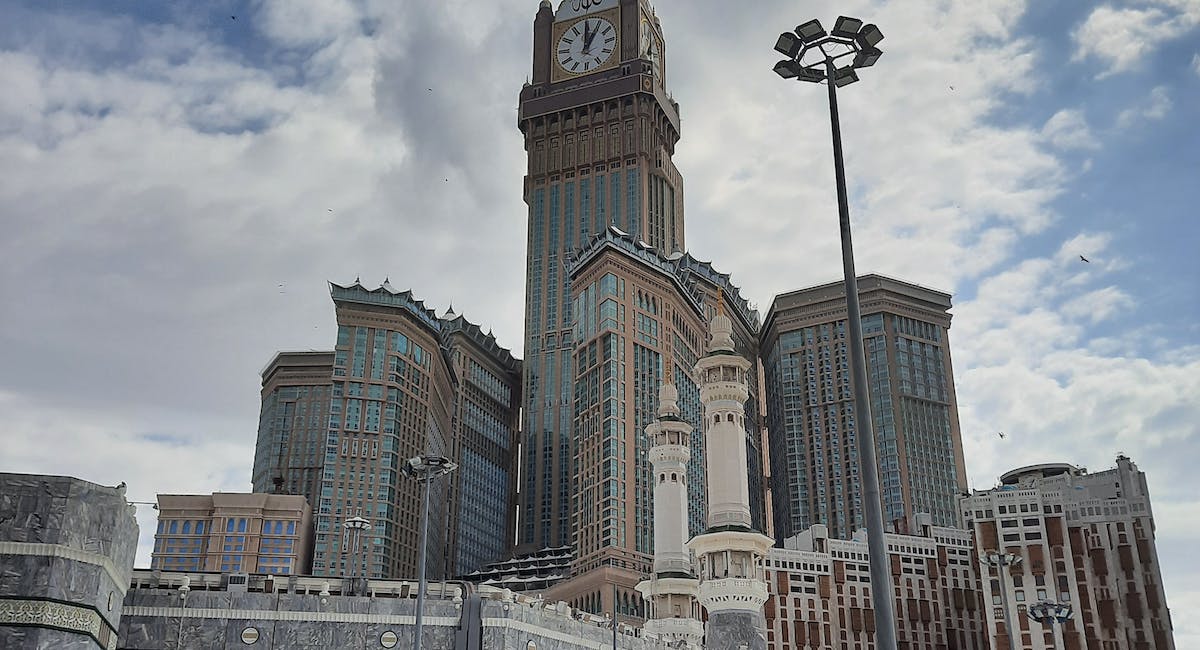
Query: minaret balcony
x=675, y=629
x=723, y=594
x=677, y=455
x=724, y=390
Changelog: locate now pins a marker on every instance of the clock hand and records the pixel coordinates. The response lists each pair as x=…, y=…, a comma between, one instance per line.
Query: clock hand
x=587, y=39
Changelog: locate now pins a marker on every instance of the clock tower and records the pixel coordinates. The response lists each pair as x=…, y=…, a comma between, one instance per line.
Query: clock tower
x=600, y=130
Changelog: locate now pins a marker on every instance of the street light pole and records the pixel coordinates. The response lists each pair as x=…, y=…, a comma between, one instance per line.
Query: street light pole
x=1001, y=561
x=355, y=527
x=868, y=472
x=1056, y=614
x=424, y=469
x=850, y=38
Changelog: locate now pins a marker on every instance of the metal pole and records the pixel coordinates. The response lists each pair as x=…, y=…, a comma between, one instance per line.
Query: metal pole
x=614, y=617
x=868, y=471
x=421, y=564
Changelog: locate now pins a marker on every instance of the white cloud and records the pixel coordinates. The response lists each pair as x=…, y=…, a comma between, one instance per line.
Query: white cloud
x=1196, y=63
x=1123, y=37
x=1068, y=129
x=1154, y=107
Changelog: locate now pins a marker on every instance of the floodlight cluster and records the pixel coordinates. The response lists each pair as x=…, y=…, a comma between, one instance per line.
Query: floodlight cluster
x=848, y=38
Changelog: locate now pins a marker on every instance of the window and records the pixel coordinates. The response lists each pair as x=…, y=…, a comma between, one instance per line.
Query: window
x=173, y=527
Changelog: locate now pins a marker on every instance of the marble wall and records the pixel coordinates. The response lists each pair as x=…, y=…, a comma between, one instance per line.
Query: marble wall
x=66, y=552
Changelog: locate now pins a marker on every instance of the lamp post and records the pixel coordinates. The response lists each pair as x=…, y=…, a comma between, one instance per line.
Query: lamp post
x=814, y=55
x=424, y=469
x=355, y=527
x=1056, y=614
x=1001, y=561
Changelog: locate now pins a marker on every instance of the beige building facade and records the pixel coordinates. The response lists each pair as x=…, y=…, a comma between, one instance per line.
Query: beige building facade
x=821, y=594
x=1081, y=538
x=233, y=533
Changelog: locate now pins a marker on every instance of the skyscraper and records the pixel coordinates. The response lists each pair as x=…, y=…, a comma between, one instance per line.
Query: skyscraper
x=600, y=130
x=636, y=313
x=290, y=449
x=810, y=406
x=336, y=427
x=486, y=411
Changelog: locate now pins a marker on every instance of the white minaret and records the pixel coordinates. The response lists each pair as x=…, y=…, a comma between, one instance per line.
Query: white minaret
x=731, y=553
x=672, y=590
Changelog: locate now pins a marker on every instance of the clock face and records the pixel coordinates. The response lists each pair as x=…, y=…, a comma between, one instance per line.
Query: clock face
x=586, y=45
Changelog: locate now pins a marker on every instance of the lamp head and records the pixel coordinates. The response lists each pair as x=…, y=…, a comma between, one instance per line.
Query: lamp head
x=845, y=77
x=788, y=68
x=867, y=58
x=810, y=31
x=788, y=45
x=846, y=27
x=868, y=37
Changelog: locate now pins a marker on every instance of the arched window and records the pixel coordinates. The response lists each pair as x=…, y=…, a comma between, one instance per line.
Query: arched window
x=674, y=477
x=729, y=418
x=717, y=419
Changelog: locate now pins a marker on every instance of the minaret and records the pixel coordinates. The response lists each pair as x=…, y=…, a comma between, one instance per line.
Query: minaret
x=671, y=591
x=731, y=553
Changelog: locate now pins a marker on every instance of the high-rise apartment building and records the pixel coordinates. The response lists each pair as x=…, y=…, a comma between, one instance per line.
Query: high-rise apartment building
x=637, y=314
x=233, y=533
x=600, y=130
x=338, y=426
x=392, y=398
x=810, y=406
x=486, y=419
x=290, y=449
x=1080, y=538
x=821, y=593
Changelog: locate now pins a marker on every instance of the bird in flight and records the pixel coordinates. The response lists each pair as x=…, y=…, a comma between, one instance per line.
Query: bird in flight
x=1084, y=259
x=1001, y=435
x=233, y=17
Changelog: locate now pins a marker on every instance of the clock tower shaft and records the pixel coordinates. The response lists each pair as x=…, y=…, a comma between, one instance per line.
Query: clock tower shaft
x=599, y=150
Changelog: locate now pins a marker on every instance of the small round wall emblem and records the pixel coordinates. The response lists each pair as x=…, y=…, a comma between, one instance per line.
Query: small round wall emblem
x=388, y=639
x=250, y=636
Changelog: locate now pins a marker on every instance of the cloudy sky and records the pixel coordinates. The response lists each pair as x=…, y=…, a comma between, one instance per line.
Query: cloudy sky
x=178, y=181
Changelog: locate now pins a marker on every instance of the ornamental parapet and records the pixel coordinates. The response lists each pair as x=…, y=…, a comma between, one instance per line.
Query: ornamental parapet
x=725, y=594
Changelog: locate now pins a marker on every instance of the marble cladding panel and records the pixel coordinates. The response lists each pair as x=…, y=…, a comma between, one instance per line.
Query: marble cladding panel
x=70, y=512
x=734, y=630
x=583, y=635
x=76, y=514
x=34, y=638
